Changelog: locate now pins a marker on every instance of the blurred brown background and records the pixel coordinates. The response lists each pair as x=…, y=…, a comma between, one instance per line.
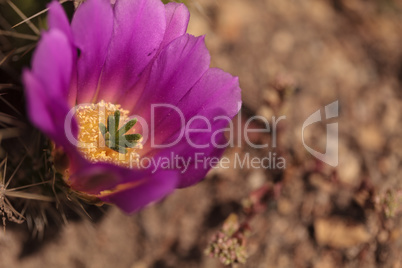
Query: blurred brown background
x=292, y=57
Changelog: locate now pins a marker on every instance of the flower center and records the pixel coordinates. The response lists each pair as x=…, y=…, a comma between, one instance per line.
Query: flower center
x=106, y=134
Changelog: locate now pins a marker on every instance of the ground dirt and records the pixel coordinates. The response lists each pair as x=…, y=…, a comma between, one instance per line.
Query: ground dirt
x=292, y=58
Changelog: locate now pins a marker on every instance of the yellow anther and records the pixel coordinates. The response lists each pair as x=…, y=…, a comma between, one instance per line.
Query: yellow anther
x=91, y=142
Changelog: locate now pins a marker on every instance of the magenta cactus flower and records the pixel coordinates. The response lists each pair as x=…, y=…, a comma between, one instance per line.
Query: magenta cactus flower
x=122, y=84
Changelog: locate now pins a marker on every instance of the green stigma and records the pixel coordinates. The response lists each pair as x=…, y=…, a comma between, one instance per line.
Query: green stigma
x=115, y=138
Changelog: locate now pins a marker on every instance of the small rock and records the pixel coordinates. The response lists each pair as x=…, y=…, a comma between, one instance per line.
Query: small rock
x=271, y=97
x=233, y=17
x=282, y=42
x=285, y=206
x=337, y=233
x=256, y=179
x=349, y=168
x=383, y=236
x=370, y=138
x=266, y=112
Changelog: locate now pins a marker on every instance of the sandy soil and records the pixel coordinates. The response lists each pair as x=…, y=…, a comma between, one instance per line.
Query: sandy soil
x=292, y=58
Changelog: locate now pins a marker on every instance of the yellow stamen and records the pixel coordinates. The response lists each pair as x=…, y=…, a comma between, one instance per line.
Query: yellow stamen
x=91, y=142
